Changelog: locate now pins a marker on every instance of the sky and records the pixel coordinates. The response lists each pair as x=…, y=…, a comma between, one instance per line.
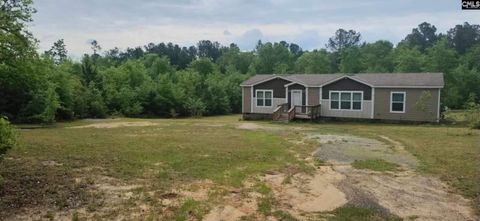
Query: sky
x=308, y=23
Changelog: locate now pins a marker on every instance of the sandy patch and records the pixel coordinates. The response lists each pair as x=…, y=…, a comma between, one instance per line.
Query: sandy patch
x=118, y=124
x=209, y=124
x=198, y=190
x=234, y=205
x=250, y=126
x=256, y=126
x=308, y=194
x=406, y=193
x=51, y=163
x=224, y=213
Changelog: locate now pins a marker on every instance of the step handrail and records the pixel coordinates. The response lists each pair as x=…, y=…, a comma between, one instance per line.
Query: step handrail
x=277, y=113
x=291, y=113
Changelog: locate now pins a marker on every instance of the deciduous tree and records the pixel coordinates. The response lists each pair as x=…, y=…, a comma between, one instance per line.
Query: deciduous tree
x=343, y=39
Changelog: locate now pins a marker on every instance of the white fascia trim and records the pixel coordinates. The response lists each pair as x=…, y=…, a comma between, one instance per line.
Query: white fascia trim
x=286, y=95
x=269, y=79
x=251, y=99
x=373, y=104
x=243, y=101
x=296, y=83
x=429, y=87
x=306, y=96
x=438, y=109
x=320, y=96
x=343, y=77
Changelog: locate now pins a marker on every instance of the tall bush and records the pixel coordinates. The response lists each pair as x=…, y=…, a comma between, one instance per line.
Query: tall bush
x=473, y=112
x=7, y=135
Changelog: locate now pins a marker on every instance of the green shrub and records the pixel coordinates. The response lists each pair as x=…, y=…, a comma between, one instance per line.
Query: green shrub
x=473, y=111
x=7, y=135
x=475, y=124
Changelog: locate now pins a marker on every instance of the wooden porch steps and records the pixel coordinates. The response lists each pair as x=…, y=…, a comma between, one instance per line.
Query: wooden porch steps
x=283, y=114
x=283, y=118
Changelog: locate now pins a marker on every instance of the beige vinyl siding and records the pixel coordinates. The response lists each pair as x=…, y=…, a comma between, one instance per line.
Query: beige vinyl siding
x=366, y=111
x=313, y=95
x=247, y=99
x=267, y=110
x=412, y=112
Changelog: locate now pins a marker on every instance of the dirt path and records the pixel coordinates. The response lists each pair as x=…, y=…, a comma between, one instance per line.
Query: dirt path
x=308, y=194
x=406, y=194
x=345, y=149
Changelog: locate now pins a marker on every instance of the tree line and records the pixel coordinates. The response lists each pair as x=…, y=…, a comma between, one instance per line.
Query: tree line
x=169, y=80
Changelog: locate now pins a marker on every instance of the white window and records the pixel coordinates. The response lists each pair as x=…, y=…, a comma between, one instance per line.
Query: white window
x=346, y=100
x=264, y=98
x=397, y=102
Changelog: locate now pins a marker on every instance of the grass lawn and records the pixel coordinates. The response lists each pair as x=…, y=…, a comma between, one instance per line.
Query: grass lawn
x=169, y=153
x=45, y=168
x=376, y=164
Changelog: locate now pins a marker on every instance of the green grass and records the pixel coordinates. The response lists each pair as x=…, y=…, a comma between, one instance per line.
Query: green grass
x=174, y=152
x=180, y=151
x=262, y=188
x=191, y=209
x=265, y=205
x=460, y=116
x=283, y=216
x=360, y=214
x=376, y=165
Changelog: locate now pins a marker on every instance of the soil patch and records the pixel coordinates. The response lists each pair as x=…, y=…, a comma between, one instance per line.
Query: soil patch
x=272, y=127
x=224, y=213
x=118, y=124
x=403, y=193
x=345, y=149
x=252, y=126
x=308, y=194
x=209, y=125
x=406, y=194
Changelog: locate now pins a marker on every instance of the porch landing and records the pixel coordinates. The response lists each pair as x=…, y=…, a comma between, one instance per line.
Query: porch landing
x=283, y=113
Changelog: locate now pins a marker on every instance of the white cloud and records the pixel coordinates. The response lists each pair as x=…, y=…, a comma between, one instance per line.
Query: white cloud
x=249, y=38
x=123, y=23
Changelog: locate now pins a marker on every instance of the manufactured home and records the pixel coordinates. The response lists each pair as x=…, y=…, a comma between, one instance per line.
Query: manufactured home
x=382, y=96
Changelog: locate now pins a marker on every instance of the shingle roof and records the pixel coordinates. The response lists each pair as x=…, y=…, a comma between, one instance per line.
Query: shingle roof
x=402, y=79
x=376, y=80
x=257, y=78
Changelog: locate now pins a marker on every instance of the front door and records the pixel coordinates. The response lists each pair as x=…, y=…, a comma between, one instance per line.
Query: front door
x=297, y=100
